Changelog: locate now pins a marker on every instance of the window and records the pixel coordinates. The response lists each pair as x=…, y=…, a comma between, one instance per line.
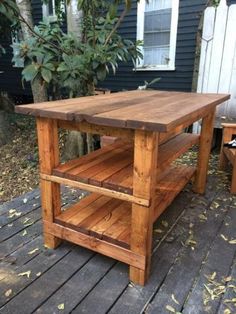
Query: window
x=49, y=11
x=157, y=28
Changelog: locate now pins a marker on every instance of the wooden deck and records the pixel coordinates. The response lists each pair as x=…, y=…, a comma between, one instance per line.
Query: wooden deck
x=193, y=264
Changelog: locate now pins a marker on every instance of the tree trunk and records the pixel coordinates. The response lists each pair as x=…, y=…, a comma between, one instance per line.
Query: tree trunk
x=4, y=128
x=75, y=142
x=74, y=17
x=38, y=89
x=74, y=146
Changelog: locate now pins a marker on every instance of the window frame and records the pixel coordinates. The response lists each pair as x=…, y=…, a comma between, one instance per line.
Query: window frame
x=53, y=17
x=173, y=37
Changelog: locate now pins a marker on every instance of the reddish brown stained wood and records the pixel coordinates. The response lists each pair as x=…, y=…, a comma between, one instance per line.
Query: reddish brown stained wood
x=97, y=245
x=204, y=152
x=144, y=182
x=163, y=115
x=87, y=211
x=172, y=182
x=97, y=129
x=151, y=110
x=107, y=221
x=233, y=184
x=110, y=219
x=113, y=168
x=228, y=154
x=228, y=131
x=99, y=214
x=84, y=160
x=49, y=159
x=92, y=174
x=96, y=189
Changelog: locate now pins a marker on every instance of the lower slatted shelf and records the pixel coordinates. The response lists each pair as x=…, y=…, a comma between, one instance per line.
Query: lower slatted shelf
x=110, y=219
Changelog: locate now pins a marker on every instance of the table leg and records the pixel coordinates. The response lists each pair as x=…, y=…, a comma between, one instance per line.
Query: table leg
x=204, y=152
x=144, y=182
x=48, y=159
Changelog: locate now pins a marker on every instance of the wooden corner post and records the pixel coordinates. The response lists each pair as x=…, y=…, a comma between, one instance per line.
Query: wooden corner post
x=144, y=183
x=48, y=159
x=204, y=152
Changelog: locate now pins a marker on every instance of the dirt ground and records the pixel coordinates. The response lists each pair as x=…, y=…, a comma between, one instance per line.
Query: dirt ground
x=19, y=159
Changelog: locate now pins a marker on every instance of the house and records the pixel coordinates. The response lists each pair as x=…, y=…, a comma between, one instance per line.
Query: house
x=168, y=28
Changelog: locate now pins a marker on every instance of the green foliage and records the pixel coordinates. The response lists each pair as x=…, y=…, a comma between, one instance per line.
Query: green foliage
x=9, y=9
x=65, y=63
x=215, y=3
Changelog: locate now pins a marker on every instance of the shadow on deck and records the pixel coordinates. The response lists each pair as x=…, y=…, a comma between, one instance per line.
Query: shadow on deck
x=193, y=264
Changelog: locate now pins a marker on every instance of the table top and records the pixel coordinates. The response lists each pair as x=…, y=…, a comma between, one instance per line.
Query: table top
x=148, y=110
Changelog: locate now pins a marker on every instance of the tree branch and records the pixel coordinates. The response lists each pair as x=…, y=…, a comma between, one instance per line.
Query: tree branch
x=19, y=16
x=116, y=26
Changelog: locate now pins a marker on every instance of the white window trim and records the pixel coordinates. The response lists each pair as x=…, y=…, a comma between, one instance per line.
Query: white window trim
x=173, y=37
x=53, y=17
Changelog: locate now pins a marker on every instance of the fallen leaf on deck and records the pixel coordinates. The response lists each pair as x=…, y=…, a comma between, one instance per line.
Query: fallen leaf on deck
x=230, y=301
x=29, y=224
x=8, y=292
x=26, y=220
x=158, y=231
x=33, y=251
x=26, y=273
x=174, y=299
x=227, y=279
x=165, y=223
x=11, y=211
x=202, y=217
x=25, y=200
x=210, y=292
x=24, y=233
x=227, y=311
x=38, y=274
x=61, y=306
x=213, y=276
x=170, y=308
x=10, y=225
x=224, y=237
x=15, y=214
x=232, y=241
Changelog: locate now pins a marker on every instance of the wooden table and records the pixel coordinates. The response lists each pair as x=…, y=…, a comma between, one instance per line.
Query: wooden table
x=132, y=181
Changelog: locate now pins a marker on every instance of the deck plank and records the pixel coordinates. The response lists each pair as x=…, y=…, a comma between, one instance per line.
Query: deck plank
x=75, y=289
x=32, y=296
x=214, y=263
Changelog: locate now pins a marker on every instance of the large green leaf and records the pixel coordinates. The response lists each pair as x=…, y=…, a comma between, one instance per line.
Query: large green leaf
x=30, y=71
x=101, y=72
x=46, y=75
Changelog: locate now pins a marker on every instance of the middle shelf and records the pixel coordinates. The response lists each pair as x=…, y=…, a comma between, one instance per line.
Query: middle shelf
x=111, y=167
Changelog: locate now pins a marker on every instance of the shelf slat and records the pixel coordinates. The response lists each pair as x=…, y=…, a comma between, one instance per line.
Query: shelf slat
x=111, y=167
x=109, y=219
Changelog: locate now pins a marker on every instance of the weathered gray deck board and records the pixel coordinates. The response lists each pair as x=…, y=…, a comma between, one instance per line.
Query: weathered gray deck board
x=85, y=282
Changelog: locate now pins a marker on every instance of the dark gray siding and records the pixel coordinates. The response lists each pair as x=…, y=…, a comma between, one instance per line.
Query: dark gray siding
x=10, y=79
x=181, y=78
